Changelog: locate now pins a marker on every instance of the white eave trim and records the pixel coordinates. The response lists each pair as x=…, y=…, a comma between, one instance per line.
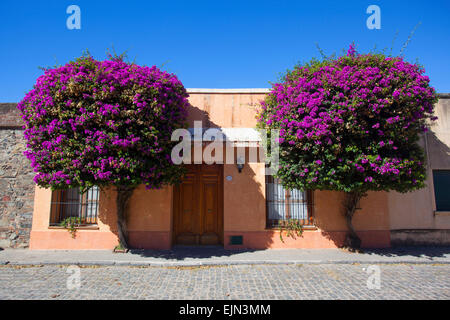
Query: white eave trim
x=260, y=90
x=225, y=134
x=243, y=90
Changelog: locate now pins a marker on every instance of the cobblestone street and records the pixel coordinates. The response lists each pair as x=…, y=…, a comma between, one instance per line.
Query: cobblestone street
x=308, y=281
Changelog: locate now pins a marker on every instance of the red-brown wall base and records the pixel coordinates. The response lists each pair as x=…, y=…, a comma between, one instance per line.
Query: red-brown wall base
x=150, y=240
x=62, y=239
x=97, y=240
x=310, y=239
x=269, y=239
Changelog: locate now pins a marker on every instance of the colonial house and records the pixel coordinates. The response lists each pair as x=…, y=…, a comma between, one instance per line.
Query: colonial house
x=235, y=205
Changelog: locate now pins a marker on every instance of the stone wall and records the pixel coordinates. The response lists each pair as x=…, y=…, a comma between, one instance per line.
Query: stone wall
x=16, y=181
x=420, y=237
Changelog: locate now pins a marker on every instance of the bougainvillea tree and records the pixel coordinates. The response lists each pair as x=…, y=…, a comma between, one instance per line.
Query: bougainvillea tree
x=351, y=124
x=104, y=123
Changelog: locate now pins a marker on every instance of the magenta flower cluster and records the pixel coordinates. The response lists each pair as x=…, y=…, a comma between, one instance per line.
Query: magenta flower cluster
x=351, y=123
x=103, y=122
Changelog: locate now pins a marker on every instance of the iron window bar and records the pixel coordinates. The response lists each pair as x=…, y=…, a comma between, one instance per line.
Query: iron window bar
x=68, y=203
x=284, y=204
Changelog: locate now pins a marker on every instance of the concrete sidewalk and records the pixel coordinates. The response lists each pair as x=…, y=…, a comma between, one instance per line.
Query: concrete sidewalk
x=204, y=256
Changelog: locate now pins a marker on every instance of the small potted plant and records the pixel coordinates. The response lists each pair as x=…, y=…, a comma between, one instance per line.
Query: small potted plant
x=120, y=249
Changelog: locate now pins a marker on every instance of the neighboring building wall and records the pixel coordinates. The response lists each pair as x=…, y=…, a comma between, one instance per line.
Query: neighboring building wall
x=413, y=216
x=16, y=181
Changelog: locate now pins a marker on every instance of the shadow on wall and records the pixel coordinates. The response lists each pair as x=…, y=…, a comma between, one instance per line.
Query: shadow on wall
x=428, y=228
x=243, y=200
x=337, y=237
x=438, y=153
x=329, y=217
x=107, y=207
x=371, y=223
x=245, y=205
x=438, y=150
x=197, y=114
x=245, y=209
x=149, y=219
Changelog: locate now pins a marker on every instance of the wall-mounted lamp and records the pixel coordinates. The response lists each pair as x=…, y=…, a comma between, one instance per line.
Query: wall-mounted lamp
x=240, y=164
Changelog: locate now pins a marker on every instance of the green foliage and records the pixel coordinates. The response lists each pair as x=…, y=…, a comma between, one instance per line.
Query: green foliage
x=351, y=123
x=120, y=248
x=103, y=123
x=71, y=225
x=292, y=227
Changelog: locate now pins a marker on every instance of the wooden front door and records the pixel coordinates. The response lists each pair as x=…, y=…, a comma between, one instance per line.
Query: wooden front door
x=198, y=206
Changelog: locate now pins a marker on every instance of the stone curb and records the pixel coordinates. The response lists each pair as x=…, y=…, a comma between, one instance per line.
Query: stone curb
x=214, y=263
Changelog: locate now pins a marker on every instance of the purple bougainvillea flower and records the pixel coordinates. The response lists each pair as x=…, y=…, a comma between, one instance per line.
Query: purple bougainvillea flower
x=104, y=123
x=353, y=121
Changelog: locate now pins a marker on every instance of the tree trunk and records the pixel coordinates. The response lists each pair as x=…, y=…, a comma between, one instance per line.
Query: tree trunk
x=351, y=202
x=123, y=195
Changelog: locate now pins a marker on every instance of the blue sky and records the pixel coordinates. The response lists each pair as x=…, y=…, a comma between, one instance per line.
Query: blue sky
x=215, y=44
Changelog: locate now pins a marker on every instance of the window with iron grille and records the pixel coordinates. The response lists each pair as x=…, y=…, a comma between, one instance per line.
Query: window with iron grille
x=69, y=203
x=287, y=204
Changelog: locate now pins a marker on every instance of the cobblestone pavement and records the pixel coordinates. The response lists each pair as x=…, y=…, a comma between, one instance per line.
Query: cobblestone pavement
x=314, y=281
